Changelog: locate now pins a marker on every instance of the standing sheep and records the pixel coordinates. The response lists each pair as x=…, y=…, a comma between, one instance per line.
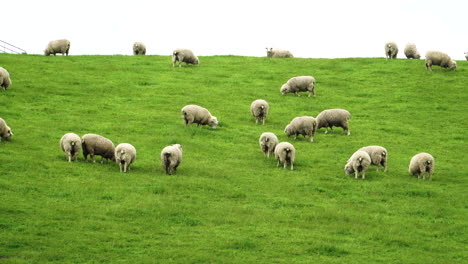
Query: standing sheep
x=466, y=56
x=411, y=52
x=139, y=48
x=259, y=109
x=278, y=53
x=441, y=59
x=71, y=146
x=378, y=156
x=125, y=155
x=198, y=115
x=391, y=50
x=171, y=156
x=5, y=80
x=333, y=117
x=268, y=142
x=184, y=55
x=302, y=125
x=285, y=153
x=97, y=145
x=358, y=163
x=422, y=164
x=299, y=84
x=5, y=131
x=58, y=46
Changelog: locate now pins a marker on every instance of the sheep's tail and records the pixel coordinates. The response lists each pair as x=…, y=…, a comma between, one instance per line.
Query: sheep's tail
x=360, y=160
x=384, y=154
x=175, y=53
x=428, y=162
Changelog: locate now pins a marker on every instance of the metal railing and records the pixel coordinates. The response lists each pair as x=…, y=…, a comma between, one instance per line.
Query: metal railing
x=6, y=47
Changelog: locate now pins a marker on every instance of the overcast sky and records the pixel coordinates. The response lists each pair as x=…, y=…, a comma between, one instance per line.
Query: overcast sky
x=308, y=28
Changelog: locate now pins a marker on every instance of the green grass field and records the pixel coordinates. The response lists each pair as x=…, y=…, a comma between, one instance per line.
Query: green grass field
x=228, y=203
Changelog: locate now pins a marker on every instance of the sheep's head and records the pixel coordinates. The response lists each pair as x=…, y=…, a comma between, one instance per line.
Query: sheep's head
x=7, y=134
x=47, y=52
x=284, y=89
x=417, y=56
x=348, y=169
x=288, y=130
x=269, y=52
x=452, y=65
x=213, y=122
x=196, y=61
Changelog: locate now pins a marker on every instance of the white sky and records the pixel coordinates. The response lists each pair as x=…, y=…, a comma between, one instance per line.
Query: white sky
x=308, y=28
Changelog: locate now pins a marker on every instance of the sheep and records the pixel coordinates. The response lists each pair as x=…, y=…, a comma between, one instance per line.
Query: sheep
x=268, y=142
x=422, y=164
x=391, y=50
x=302, y=125
x=198, y=115
x=466, y=56
x=333, y=117
x=171, y=156
x=441, y=59
x=278, y=53
x=378, y=156
x=284, y=153
x=299, y=84
x=125, y=155
x=184, y=55
x=358, y=163
x=139, y=48
x=5, y=80
x=71, y=146
x=97, y=145
x=259, y=109
x=5, y=130
x=58, y=46
x=411, y=52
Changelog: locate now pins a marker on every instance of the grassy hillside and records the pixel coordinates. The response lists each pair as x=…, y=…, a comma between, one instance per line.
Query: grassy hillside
x=228, y=203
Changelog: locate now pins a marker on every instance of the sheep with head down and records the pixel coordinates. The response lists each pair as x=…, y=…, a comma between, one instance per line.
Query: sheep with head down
x=378, y=156
x=184, y=55
x=198, y=115
x=441, y=59
x=299, y=84
x=302, y=125
x=58, y=46
x=268, y=142
x=5, y=130
x=278, y=53
x=259, y=109
x=411, y=52
x=285, y=153
x=171, y=156
x=125, y=155
x=94, y=144
x=139, y=48
x=422, y=164
x=391, y=50
x=5, y=80
x=334, y=117
x=358, y=163
x=71, y=146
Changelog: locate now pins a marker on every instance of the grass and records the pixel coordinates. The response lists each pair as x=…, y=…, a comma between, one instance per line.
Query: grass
x=227, y=203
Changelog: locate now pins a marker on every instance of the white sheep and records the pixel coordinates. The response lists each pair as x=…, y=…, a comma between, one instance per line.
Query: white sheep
x=302, y=125
x=259, y=109
x=268, y=142
x=139, y=48
x=299, y=84
x=333, y=117
x=71, y=146
x=125, y=155
x=5, y=130
x=198, y=115
x=171, y=156
x=58, y=46
x=184, y=55
x=378, y=156
x=411, y=52
x=285, y=153
x=97, y=145
x=422, y=164
x=358, y=163
x=278, y=53
x=441, y=59
x=5, y=80
x=391, y=50
x=466, y=56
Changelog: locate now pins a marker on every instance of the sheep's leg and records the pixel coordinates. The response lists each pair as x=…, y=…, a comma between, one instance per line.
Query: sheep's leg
x=285, y=164
x=93, y=158
x=292, y=165
x=278, y=163
x=120, y=166
x=125, y=167
x=326, y=130
x=263, y=121
x=69, y=157
x=256, y=120
x=430, y=176
x=356, y=174
x=363, y=175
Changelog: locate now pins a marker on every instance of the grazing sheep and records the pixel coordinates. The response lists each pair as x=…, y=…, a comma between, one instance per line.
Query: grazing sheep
x=198, y=115
x=278, y=53
x=268, y=142
x=5, y=131
x=411, y=52
x=5, y=80
x=97, y=145
x=284, y=153
x=441, y=59
x=125, y=155
x=466, y=56
x=358, y=163
x=71, y=146
x=378, y=155
x=302, y=125
x=139, y=48
x=171, y=156
x=299, y=84
x=421, y=164
x=333, y=117
x=184, y=55
x=259, y=109
x=58, y=46
x=391, y=50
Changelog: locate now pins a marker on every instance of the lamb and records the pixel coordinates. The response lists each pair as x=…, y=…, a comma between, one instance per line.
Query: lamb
x=58, y=46
x=97, y=145
x=139, y=48
x=71, y=146
x=268, y=142
x=358, y=163
x=278, y=53
x=5, y=80
x=5, y=131
x=411, y=52
x=125, y=155
x=259, y=109
x=422, y=164
x=333, y=117
x=299, y=84
x=441, y=59
x=285, y=153
x=302, y=125
x=171, y=156
x=198, y=115
x=391, y=50
x=378, y=156
x=184, y=55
